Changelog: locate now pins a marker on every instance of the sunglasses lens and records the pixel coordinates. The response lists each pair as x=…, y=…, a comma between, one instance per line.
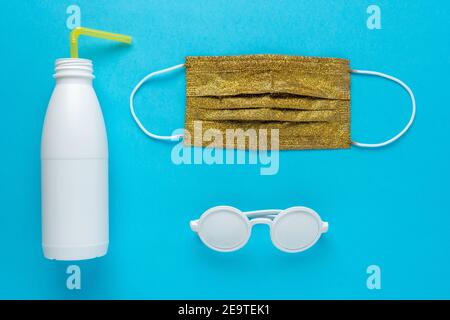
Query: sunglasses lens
x=296, y=230
x=224, y=229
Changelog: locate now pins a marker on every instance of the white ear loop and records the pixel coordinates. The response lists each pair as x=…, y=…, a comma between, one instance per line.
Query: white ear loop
x=411, y=119
x=136, y=88
x=355, y=143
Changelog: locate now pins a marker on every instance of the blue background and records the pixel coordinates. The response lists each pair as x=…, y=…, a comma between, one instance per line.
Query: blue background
x=387, y=207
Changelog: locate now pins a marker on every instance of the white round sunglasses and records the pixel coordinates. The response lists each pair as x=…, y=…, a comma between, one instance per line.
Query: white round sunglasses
x=227, y=229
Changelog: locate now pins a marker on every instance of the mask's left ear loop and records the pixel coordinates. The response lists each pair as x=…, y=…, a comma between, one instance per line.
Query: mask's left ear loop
x=411, y=119
x=136, y=88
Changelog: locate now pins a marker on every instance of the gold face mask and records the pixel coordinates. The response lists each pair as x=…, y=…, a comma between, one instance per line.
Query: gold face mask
x=304, y=100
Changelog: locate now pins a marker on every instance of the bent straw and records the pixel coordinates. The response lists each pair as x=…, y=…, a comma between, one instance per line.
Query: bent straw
x=79, y=31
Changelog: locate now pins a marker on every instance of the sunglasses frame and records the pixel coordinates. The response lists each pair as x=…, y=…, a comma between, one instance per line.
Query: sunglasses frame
x=250, y=218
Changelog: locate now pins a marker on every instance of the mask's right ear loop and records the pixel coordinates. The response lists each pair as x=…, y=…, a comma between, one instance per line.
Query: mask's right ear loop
x=411, y=119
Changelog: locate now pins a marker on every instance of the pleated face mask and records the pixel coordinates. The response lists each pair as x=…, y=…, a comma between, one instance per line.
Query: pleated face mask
x=291, y=102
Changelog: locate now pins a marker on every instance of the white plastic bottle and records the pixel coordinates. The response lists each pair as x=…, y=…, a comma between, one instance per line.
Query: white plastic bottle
x=74, y=159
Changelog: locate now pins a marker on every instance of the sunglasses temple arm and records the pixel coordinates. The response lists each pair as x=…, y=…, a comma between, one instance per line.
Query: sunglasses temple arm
x=194, y=225
x=324, y=228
